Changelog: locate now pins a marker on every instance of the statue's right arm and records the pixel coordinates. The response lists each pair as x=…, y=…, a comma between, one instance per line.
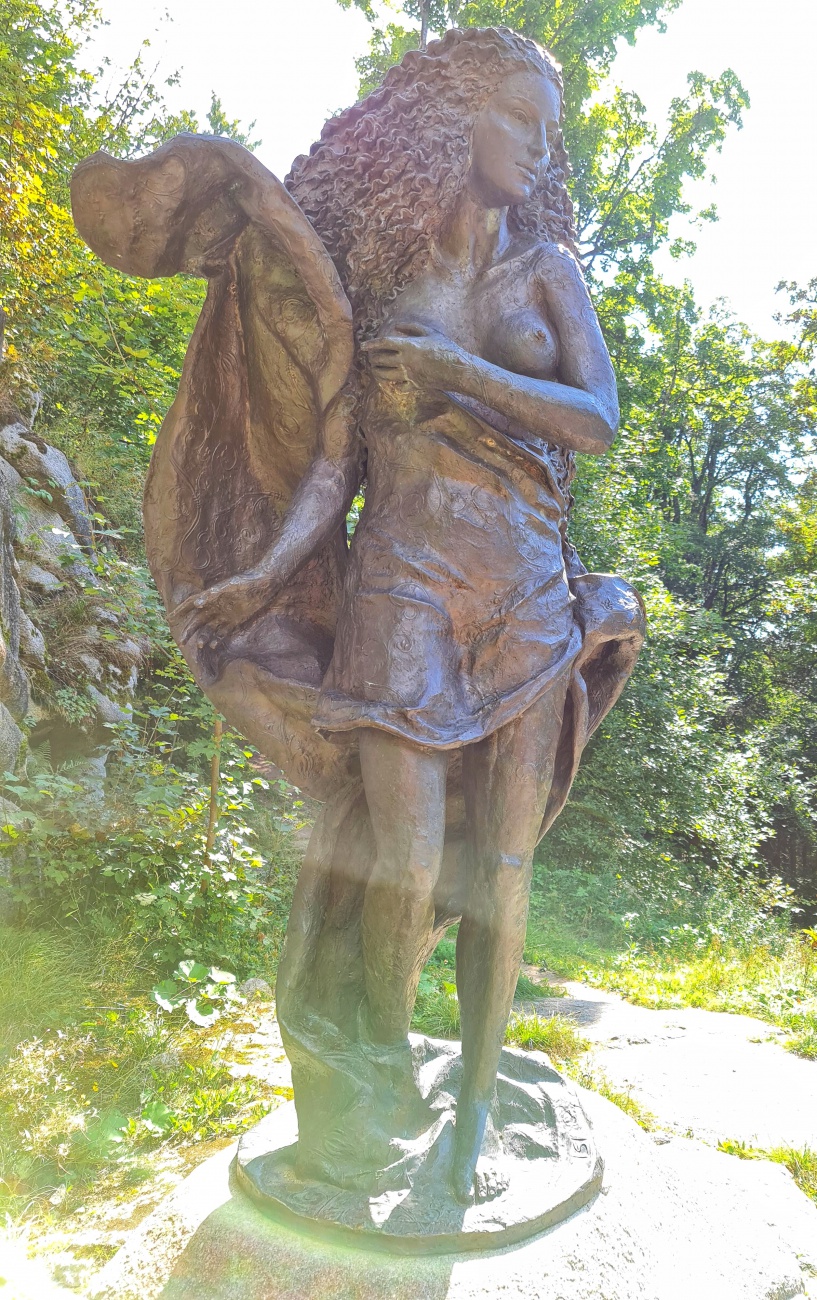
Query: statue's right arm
x=317, y=510
x=320, y=504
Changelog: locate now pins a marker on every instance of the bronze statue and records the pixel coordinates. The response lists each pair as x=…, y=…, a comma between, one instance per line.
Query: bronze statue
x=408, y=312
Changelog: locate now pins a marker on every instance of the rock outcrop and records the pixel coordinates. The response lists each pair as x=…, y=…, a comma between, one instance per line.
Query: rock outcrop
x=67, y=664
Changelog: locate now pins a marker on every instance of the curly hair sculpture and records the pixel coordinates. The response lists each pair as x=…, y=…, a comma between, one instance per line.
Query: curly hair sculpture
x=385, y=174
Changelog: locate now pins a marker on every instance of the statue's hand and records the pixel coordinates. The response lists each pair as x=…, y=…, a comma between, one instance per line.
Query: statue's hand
x=414, y=355
x=224, y=606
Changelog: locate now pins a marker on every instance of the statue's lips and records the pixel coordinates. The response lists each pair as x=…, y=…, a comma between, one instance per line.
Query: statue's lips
x=527, y=172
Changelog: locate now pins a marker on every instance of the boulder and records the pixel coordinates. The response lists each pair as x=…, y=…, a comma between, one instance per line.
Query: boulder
x=256, y=988
x=63, y=676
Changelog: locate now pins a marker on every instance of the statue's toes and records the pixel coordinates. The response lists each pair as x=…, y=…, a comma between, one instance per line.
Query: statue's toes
x=489, y=1182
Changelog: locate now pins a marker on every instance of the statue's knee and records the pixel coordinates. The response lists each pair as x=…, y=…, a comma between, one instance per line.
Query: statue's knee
x=512, y=861
x=421, y=872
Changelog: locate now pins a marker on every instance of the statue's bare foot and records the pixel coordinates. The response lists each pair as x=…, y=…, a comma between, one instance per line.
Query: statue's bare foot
x=489, y=1181
x=473, y=1178
x=477, y=1183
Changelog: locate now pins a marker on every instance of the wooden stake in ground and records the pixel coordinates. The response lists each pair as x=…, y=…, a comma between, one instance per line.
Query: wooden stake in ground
x=212, y=820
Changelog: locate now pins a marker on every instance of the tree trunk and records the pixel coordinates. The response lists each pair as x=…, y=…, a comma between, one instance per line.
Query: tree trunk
x=424, y=5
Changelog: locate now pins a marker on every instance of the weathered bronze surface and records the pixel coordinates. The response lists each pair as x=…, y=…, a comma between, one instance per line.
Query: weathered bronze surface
x=407, y=311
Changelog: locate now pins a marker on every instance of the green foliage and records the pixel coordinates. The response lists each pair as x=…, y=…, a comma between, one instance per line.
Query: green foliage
x=722, y=946
x=204, y=992
x=528, y=988
x=93, y=1077
x=557, y=1035
x=715, y=735
x=437, y=1013
x=104, y=351
x=229, y=906
x=437, y=1010
x=590, y=1076
x=582, y=33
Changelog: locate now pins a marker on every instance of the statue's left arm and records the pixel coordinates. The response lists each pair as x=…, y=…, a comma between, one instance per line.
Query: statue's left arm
x=579, y=413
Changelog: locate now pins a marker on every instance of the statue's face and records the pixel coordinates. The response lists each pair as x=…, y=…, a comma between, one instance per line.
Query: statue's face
x=510, y=142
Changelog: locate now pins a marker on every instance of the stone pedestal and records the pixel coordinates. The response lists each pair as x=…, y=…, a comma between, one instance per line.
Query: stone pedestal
x=538, y=1146
x=672, y=1222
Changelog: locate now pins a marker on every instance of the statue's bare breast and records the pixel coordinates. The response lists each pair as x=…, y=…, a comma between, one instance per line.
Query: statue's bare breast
x=498, y=315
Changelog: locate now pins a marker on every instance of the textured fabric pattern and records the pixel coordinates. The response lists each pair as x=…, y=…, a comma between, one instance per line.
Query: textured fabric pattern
x=456, y=613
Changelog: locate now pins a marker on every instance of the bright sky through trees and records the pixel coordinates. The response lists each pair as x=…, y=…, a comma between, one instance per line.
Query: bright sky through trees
x=288, y=64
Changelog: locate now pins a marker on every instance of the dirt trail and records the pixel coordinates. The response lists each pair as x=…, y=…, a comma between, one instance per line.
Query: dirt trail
x=704, y=1074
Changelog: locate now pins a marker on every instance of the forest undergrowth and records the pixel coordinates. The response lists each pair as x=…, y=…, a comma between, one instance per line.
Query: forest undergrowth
x=735, y=946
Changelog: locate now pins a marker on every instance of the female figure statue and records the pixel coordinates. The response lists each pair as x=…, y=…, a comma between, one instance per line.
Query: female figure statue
x=435, y=684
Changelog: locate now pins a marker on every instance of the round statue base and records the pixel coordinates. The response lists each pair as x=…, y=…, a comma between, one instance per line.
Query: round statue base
x=540, y=1146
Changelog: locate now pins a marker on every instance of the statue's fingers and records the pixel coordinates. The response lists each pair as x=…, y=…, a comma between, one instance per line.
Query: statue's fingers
x=194, y=623
x=189, y=630
x=381, y=347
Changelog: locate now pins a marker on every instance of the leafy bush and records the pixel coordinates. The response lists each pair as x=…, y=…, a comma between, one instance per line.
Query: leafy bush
x=144, y=851
x=203, y=991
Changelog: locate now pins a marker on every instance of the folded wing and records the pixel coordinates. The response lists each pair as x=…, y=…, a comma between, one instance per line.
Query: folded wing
x=261, y=398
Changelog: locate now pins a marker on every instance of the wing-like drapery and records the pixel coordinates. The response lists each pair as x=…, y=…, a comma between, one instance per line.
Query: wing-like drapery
x=260, y=399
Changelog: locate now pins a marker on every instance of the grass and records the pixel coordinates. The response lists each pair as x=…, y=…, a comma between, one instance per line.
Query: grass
x=49, y=976
x=595, y=1079
x=558, y=1036
x=724, y=950
x=93, y=1077
x=777, y=986
x=437, y=1010
x=801, y=1162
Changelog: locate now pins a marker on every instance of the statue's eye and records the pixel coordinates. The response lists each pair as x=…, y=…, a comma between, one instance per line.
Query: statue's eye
x=520, y=115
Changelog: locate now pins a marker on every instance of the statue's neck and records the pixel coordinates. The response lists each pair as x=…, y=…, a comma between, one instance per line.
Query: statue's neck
x=475, y=236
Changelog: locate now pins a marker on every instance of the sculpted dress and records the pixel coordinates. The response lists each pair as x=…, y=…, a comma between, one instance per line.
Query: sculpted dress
x=456, y=612
x=453, y=612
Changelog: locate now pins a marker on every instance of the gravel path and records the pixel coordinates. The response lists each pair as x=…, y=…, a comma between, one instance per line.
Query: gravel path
x=704, y=1074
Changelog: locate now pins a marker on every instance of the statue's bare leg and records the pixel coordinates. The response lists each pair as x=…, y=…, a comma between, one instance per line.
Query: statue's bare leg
x=507, y=778
x=405, y=790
